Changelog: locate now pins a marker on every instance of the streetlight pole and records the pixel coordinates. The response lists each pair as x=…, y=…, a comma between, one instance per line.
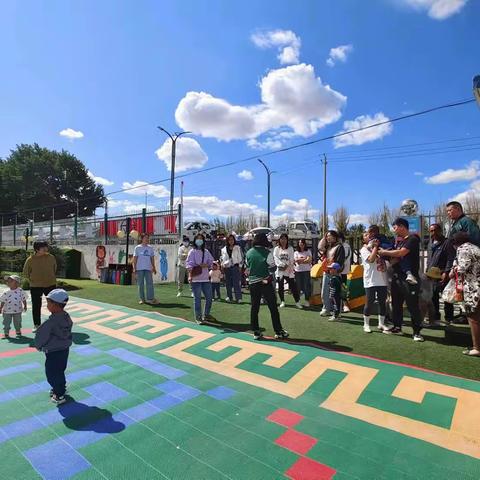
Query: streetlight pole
x=325, y=221
x=269, y=173
x=174, y=139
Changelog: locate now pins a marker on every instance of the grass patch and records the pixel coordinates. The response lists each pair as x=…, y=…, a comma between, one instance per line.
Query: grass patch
x=305, y=326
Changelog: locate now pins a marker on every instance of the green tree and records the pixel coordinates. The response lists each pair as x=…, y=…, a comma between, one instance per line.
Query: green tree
x=34, y=180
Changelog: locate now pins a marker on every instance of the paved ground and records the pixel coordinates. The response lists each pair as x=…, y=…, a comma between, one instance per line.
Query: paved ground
x=156, y=397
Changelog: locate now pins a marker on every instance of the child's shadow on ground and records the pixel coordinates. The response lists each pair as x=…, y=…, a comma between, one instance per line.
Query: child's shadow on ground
x=80, y=338
x=78, y=416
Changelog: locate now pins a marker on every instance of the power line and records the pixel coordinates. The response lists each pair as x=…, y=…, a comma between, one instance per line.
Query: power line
x=273, y=152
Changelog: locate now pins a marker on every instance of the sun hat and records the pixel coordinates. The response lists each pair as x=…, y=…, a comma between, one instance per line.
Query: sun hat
x=58, y=295
x=434, y=272
x=16, y=278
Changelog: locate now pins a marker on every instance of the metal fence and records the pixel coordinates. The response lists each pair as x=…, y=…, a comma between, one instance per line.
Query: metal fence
x=162, y=226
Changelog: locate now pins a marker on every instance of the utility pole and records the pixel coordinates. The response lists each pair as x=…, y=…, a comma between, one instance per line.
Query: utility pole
x=325, y=221
x=269, y=173
x=174, y=139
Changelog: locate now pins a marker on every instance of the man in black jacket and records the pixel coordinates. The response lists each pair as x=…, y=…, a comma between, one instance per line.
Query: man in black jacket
x=439, y=258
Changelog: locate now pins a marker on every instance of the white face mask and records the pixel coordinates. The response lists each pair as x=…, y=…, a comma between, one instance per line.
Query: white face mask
x=186, y=243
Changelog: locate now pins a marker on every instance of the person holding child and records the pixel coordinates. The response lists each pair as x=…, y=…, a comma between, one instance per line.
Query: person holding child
x=215, y=279
x=54, y=338
x=12, y=303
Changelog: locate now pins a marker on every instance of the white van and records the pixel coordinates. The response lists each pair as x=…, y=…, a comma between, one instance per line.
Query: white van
x=303, y=229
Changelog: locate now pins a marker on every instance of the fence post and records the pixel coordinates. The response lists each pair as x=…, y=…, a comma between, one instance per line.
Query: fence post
x=144, y=220
x=105, y=227
x=1, y=232
x=75, y=229
x=15, y=231
x=180, y=222
x=52, y=219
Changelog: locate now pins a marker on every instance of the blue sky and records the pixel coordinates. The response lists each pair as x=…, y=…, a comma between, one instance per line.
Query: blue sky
x=245, y=78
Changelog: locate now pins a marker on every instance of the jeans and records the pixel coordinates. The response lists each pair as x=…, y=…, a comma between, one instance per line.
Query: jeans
x=381, y=294
x=257, y=290
x=55, y=366
x=292, y=285
x=304, y=283
x=145, y=276
x=325, y=292
x=335, y=298
x=402, y=291
x=197, y=289
x=233, y=281
x=181, y=274
x=216, y=290
x=447, y=307
x=7, y=321
x=36, y=294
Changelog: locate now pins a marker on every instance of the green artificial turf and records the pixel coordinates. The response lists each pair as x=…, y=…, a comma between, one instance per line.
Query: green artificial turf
x=304, y=326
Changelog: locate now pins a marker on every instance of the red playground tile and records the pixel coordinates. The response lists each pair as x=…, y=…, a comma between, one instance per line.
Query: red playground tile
x=19, y=351
x=285, y=417
x=296, y=442
x=307, y=469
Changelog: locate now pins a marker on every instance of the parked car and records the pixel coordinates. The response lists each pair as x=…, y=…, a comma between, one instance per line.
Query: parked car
x=254, y=231
x=303, y=229
x=192, y=228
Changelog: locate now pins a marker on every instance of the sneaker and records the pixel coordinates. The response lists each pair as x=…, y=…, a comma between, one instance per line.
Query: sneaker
x=58, y=399
x=334, y=318
x=179, y=294
x=18, y=334
x=199, y=320
x=367, y=329
x=299, y=305
x=227, y=300
x=346, y=309
x=34, y=329
x=411, y=279
x=140, y=302
x=209, y=318
x=281, y=334
x=6, y=335
x=282, y=304
x=418, y=338
x=396, y=331
x=257, y=335
x=324, y=313
x=306, y=304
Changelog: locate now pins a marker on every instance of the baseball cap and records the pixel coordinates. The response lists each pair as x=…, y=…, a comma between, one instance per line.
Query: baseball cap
x=335, y=266
x=14, y=277
x=58, y=295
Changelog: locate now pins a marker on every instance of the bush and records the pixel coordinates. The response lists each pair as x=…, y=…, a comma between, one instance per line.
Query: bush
x=13, y=260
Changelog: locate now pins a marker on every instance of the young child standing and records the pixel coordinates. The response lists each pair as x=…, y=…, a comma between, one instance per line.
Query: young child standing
x=12, y=303
x=54, y=338
x=215, y=278
x=335, y=291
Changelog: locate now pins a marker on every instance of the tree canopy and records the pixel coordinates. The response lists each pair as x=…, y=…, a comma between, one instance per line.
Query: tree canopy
x=36, y=180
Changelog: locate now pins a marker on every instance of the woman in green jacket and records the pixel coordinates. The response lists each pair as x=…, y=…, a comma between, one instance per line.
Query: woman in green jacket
x=260, y=264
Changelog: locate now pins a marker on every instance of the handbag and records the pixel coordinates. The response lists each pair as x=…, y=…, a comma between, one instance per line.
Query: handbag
x=449, y=293
x=458, y=289
x=197, y=269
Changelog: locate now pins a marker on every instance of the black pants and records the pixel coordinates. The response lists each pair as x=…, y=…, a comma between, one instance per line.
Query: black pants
x=380, y=293
x=55, y=366
x=267, y=291
x=447, y=307
x=215, y=290
x=36, y=293
x=292, y=285
x=402, y=291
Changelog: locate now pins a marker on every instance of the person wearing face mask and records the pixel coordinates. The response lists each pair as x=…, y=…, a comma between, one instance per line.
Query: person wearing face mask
x=199, y=262
x=40, y=270
x=232, y=261
x=183, y=252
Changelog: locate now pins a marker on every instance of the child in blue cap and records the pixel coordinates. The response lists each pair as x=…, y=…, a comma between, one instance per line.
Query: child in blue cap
x=54, y=338
x=335, y=291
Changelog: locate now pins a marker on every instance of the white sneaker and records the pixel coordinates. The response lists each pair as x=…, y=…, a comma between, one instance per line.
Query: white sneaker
x=227, y=300
x=192, y=295
x=34, y=329
x=299, y=305
x=366, y=329
x=306, y=304
x=179, y=294
x=418, y=338
x=333, y=318
x=411, y=279
x=282, y=304
x=346, y=309
x=324, y=313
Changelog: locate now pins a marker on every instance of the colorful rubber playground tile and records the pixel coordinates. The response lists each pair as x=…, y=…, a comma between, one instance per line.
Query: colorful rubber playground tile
x=155, y=397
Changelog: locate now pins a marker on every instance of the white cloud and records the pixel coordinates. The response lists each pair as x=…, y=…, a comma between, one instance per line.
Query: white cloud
x=71, y=134
x=339, y=54
x=286, y=41
x=293, y=99
x=356, y=218
x=418, y=174
x=472, y=192
x=127, y=206
x=258, y=196
x=100, y=180
x=364, y=136
x=245, y=175
x=140, y=187
x=201, y=206
x=297, y=209
x=436, y=9
x=188, y=154
x=470, y=172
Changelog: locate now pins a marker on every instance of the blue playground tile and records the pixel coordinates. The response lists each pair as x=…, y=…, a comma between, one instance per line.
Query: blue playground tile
x=105, y=391
x=146, y=363
x=165, y=402
x=68, y=462
x=18, y=368
x=221, y=393
x=86, y=350
x=179, y=390
x=88, y=372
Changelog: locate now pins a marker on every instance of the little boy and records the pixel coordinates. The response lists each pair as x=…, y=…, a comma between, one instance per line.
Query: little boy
x=12, y=303
x=335, y=291
x=215, y=278
x=54, y=338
